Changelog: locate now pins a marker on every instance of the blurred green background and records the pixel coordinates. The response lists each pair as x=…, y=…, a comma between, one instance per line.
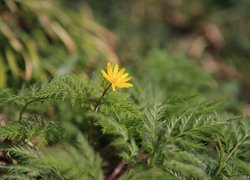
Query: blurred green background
x=43, y=39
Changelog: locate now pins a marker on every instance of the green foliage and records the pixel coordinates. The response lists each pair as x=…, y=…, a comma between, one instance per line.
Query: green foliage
x=152, y=128
x=175, y=123
x=65, y=87
x=233, y=150
x=148, y=173
x=64, y=162
x=181, y=137
x=31, y=128
x=121, y=138
x=120, y=103
x=179, y=73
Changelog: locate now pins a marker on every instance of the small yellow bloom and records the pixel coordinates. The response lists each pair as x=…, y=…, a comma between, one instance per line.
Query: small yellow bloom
x=118, y=78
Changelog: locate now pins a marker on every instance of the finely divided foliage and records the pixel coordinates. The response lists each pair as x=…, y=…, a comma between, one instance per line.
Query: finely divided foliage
x=168, y=140
x=65, y=87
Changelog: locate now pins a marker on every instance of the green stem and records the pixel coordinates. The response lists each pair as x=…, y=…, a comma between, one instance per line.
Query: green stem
x=223, y=164
x=103, y=93
x=96, y=110
x=24, y=107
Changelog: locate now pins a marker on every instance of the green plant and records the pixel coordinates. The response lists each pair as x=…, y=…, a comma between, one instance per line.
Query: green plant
x=137, y=133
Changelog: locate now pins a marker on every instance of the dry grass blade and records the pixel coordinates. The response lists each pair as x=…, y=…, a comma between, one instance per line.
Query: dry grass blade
x=9, y=34
x=64, y=36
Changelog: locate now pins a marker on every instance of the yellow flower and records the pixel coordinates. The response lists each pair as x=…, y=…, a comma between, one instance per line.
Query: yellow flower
x=118, y=78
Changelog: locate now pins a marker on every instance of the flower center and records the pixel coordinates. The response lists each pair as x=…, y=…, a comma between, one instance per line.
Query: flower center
x=114, y=80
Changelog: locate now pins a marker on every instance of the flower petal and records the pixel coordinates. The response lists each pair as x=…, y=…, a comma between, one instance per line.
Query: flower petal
x=118, y=78
x=113, y=87
x=109, y=68
x=123, y=76
x=104, y=74
x=126, y=79
x=121, y=72
x=116, y=69
x=125, y=85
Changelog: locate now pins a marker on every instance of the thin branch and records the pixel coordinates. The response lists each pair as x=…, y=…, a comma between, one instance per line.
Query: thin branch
x=96, y=110
x=116, y=171
x=223, y=164
x=24, y=108
x=104, y=92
